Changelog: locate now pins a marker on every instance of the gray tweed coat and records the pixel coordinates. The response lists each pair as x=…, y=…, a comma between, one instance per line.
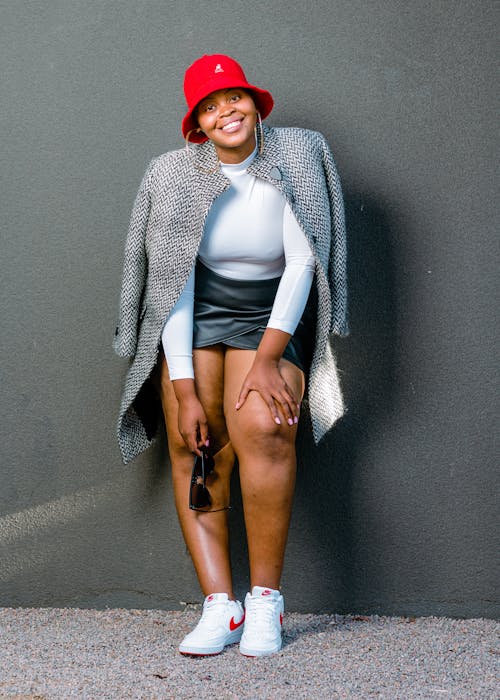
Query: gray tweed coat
x=165, y=231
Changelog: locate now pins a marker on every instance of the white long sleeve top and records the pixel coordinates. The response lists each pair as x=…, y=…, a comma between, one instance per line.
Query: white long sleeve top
x=250, y=234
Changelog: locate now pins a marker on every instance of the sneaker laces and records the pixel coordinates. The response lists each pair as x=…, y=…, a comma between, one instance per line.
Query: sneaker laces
x=210, y=616
x=261, y=612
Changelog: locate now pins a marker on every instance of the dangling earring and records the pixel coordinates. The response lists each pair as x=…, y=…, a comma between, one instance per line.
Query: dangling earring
x=190, y=154
x=259, y=137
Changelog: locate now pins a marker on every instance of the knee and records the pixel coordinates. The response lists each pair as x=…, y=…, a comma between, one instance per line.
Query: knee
x=258, y=430
x=181, y=459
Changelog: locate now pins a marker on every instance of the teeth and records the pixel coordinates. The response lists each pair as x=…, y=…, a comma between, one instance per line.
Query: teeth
x=228, y=126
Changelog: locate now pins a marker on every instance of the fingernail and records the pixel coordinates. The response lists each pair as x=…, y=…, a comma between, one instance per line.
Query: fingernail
x=290, y=421
x=207, y=443
x=237, y=406
x=295, y=420
x=298, y=406
x=277, y=420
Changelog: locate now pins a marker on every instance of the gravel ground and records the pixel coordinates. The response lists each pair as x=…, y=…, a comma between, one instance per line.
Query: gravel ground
x=73, y=653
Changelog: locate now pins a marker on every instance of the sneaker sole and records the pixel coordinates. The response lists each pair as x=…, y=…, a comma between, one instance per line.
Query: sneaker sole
x=201, y=653
x=252, y=653
x=209, y=651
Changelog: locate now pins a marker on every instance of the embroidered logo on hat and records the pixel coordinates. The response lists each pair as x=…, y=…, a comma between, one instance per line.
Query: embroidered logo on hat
x=219, y=68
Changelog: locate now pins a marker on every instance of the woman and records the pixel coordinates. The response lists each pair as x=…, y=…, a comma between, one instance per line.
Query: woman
x=234, y=277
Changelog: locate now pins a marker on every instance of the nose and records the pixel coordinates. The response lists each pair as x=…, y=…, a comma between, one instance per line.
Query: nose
x=226, y=110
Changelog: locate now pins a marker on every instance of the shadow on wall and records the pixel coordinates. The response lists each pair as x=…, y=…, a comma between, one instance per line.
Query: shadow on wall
x=327, y=495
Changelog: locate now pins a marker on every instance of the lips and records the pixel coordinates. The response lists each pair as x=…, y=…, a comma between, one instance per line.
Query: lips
x=231, y=126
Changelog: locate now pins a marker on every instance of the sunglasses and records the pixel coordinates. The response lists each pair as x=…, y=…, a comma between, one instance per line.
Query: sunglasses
x=199, y=494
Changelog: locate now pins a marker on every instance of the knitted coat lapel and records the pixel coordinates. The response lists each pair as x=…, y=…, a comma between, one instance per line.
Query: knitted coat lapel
x=206, y=182
x=265, y=165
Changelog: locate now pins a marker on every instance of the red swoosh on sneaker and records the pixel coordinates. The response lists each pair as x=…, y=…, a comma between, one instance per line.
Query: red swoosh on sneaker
x=234, y=625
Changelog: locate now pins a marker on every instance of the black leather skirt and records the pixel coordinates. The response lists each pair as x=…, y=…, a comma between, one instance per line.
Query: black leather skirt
x=236, y=312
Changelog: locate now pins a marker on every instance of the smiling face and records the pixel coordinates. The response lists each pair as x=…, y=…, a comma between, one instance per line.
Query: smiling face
x=228, y=119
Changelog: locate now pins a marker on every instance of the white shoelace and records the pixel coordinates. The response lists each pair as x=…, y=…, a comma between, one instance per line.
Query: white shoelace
x=211, y=616
x=259, y=612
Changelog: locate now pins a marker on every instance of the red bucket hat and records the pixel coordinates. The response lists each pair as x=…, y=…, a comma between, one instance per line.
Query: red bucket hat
x=216, y=72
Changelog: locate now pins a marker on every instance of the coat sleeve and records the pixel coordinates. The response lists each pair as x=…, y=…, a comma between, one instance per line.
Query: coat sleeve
x=337, y=266
x=134, y=270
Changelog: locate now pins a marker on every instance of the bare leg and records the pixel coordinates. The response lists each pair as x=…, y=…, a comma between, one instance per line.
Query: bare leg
x=266, y=455
x=206, y=534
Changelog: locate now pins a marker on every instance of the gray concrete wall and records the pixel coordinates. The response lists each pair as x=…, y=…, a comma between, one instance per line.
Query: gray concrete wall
x=396, y=512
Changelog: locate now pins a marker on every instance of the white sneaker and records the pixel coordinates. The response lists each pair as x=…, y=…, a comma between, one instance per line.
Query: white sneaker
x=221, y=624
x=264, y=609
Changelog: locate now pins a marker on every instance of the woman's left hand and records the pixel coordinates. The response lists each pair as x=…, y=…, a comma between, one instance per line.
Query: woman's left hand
x=265, y=377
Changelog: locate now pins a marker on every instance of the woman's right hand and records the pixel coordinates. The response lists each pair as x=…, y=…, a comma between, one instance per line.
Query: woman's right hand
x=192, y=419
